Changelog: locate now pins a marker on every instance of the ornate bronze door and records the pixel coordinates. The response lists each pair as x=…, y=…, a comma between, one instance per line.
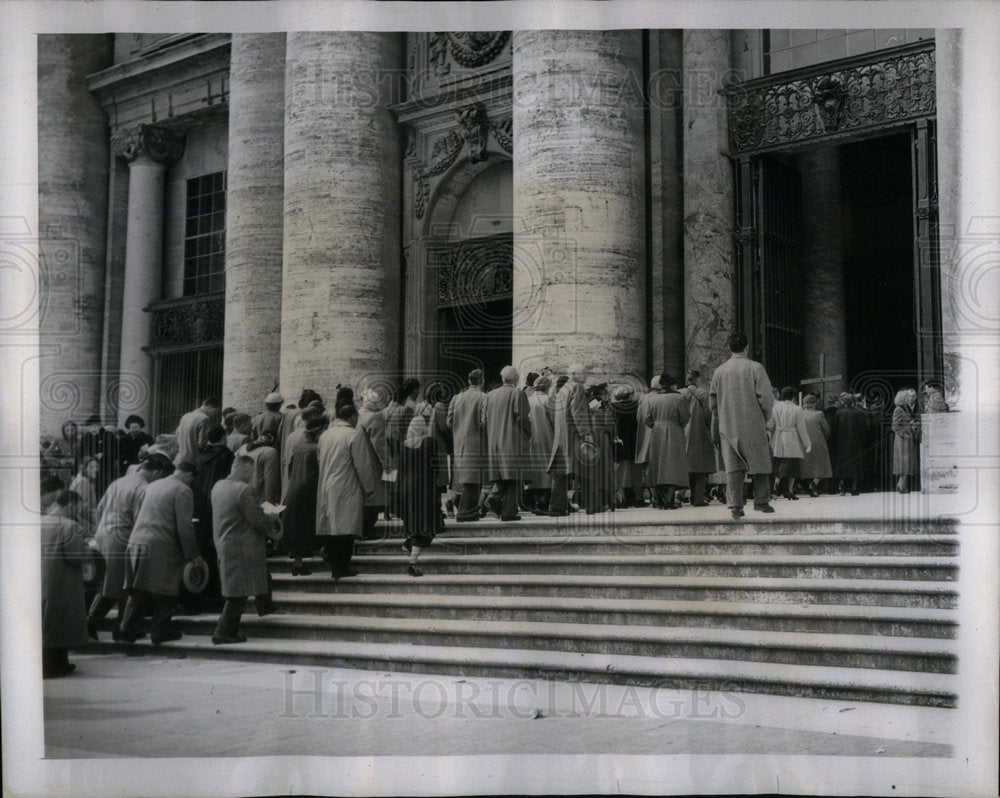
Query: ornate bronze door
x=768, y=268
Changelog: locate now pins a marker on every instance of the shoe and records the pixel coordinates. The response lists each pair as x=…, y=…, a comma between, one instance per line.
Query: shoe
x=301, y=571
x=466, y=519
x=763, y=508
x=124, y=637
x=168, y=637
x=407, y=546
x=344, y=573
x=699, y=504
x=813, y=493
x=412, y=570
x=514, y=518
x=92, y=630
x=791, y=497
x=737, y=513
x=449, y=507
x=855, y=492
x=267, y=609
x=493, y=506
x=224, y=640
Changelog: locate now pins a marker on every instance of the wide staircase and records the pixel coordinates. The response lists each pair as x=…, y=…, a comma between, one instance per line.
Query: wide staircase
x=845, y=609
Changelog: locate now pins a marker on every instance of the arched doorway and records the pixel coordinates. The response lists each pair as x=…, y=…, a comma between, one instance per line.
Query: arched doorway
x=472, y=263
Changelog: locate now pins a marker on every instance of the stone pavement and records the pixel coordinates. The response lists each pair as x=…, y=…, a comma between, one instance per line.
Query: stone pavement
x=117, y=705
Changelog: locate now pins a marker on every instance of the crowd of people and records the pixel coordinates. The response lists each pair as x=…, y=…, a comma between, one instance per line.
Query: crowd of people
x=227, y=488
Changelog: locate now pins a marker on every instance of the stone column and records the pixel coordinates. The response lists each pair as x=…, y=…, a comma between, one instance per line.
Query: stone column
x=148, y=150
x=254, y=218
x=824, y=328
x=667, y=200
x=341, y=281
x=709, y=289
x=579, y=254
x=72, y=225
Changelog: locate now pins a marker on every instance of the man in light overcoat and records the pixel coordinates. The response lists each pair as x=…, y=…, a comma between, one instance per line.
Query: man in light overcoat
x=507, y=419
x=571, y=426
x=465, y=418
x=741, y=399
x=162, y=541
x=239, y=527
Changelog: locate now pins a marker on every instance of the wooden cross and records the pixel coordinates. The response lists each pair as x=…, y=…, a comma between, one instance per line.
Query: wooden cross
x=821, y=380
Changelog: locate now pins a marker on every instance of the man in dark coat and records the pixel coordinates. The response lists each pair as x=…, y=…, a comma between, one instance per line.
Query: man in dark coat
x=214, y=463
x=397, y=422
x=741, y=399
x=465, y=418
x=850, y=432
x=507, y=419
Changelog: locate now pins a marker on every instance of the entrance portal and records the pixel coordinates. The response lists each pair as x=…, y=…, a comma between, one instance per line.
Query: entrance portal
x=879, y=274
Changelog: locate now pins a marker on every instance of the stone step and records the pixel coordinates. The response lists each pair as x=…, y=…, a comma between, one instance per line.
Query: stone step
x=706, y=522
x=826, y=619
x=796, y=648
x=869, y=544
x=860, y=592
x=745, y=566
x=729, y=676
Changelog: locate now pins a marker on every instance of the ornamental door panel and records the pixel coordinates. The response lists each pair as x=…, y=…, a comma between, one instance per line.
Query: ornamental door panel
x=768, y=273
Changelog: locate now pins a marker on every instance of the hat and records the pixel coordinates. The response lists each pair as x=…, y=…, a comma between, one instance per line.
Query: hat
x=196, y=576
x=622, y=392
x=274, y=398
x=588, y=452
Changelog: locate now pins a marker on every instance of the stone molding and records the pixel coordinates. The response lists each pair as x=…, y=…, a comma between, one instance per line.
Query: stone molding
x=469, y=49
x=849, y=97
x=159, y=144
x=188, y=323
x=473, y=134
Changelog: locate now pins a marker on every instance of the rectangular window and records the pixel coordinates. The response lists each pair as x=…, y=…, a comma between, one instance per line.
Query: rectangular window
x=205, y=235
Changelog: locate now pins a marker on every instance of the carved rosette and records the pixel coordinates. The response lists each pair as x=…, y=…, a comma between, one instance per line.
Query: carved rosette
x=151, y=141
x=474, y=272
x=475, y=130
x=469, y=49
x=883, y=92
x=196, y=321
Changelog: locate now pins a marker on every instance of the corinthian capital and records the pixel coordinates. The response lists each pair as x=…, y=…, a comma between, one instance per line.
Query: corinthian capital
x=151, y=141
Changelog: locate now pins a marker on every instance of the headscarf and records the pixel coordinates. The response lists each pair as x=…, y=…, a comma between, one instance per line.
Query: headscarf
x=372, y=400
x=418, y=430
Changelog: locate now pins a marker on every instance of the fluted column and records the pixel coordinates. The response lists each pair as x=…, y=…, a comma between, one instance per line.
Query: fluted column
x=72, y=225
x=824, y=329
x=341, y=279
x=579, y=255
x=148, y=150
x=709, y=294
x=254, y=218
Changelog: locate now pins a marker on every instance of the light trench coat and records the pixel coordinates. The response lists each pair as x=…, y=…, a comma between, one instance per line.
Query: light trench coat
x=163, y=538
x=741, y=398
x=118, y=511
x=789, y=437
x=469, y=436
x=346, y=476
x=239, y=527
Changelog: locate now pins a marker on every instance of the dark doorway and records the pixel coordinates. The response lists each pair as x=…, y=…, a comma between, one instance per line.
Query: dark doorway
x=877, y=192
x=475, y=335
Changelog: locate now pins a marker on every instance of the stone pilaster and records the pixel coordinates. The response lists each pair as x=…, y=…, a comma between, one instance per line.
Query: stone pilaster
x=579, y=259
x=72, y=231
x=667, y=201
x=341, y=278
x=148, y=149
x=254, y=218
x=709, y=292
x=824, y=329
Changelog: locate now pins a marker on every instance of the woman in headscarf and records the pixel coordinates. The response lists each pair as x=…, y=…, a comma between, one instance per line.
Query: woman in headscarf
x=419, y=498
x=628, y=475
x=906, y=435
x=85, y=485
x=666, y=414
x=371, y=421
